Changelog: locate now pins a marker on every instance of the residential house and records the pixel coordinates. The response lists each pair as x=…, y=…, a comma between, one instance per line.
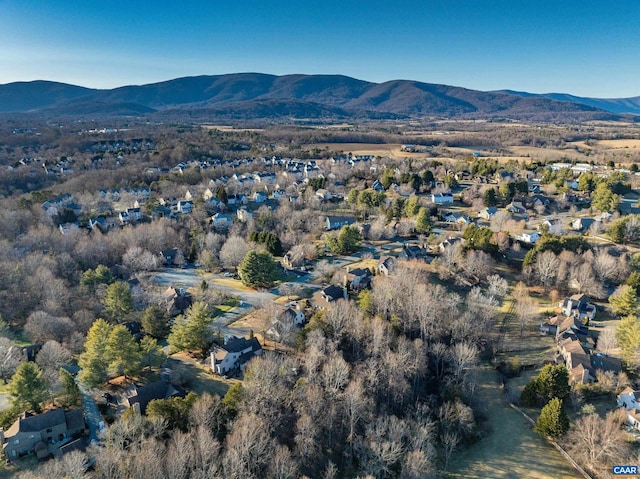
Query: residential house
x=578, y=306
x=333, y=293
x=516, y=207
x=237, y=200
x=359, y=278
x=529, y=237
x=582, y=365
x=176, y=300
x=259, y=197
x=287, y=321
x=139, y=397
x=560, y=324
x=412, y=251
x=171, y=256
x=487, y=213
x=450, y=242
x=264, y=177
x=582, y=224
x=457, y=218
x=337, y=222
x=386, y=265
x=56, y=204
x=184, y=207
x=441, y=198
x=100, y=223
x=43, y=433
x=234, y=354
x=131, y=215
x=577, y=362
x=604, y=216
x=141, y=194
x=220, y=220
x=377, y=186
x=537, y=201
x=244, y=215
x=553, y=226
x=290, y=261
x=629, y=399
x=323, y=194
x=208, y=194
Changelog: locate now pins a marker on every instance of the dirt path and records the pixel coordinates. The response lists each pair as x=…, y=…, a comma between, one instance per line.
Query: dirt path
x=511, y=449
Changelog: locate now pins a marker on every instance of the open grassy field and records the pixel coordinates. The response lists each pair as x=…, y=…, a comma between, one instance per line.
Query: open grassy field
x=622, y=143
x=511, y=449
x=392, y=150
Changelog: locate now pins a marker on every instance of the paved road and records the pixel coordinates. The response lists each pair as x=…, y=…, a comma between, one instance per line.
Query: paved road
x=91, y=412
x=249, y=300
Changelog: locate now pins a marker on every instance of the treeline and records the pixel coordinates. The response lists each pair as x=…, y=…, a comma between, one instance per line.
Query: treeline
x=382, y=388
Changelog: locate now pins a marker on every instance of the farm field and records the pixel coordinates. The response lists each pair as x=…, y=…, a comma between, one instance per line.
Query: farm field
x=391, y=150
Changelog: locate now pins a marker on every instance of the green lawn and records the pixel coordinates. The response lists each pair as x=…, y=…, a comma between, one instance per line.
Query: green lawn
x=510, y=449
x=230, y=305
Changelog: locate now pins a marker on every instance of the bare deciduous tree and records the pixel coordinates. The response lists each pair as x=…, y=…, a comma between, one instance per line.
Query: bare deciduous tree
x=42, y=326
x=462, y=356
x=248, y=448
x=233, y=251
x=138, y=259
x=335, y=374
x=547, y=268
x=51, y=358
x=607, y=340
x=10, y=357
x=498, y=286
x=596, y=442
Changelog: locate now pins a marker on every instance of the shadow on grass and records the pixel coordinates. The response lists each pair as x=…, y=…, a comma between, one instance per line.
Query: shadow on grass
x=196, y=376
x=510, y=448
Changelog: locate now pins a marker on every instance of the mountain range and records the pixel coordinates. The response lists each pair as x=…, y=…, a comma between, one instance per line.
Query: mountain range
x=255, y=95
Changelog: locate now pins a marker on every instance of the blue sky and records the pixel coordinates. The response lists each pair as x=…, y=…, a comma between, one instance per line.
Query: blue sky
x=587, y=48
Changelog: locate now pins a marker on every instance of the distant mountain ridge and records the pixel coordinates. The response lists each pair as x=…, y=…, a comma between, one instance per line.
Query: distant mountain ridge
x=614, y=105
x=257, y=95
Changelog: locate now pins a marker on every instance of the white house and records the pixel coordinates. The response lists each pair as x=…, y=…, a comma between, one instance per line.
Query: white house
x=323, y=194
x=184, y=207
x=130, y=215
x=629, y=398
x=234, y=354
x=442, y=198
x=488, y=212
x=244, y=215
x=578, y=306
x=554, y=226
x=530, y=238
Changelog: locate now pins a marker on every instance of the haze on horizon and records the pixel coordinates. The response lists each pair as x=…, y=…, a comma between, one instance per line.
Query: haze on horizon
x=584, y=48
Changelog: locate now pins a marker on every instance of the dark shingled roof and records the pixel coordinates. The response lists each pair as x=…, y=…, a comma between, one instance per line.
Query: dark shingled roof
x=143, y=395
x=235, y=345
x=333, y=291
